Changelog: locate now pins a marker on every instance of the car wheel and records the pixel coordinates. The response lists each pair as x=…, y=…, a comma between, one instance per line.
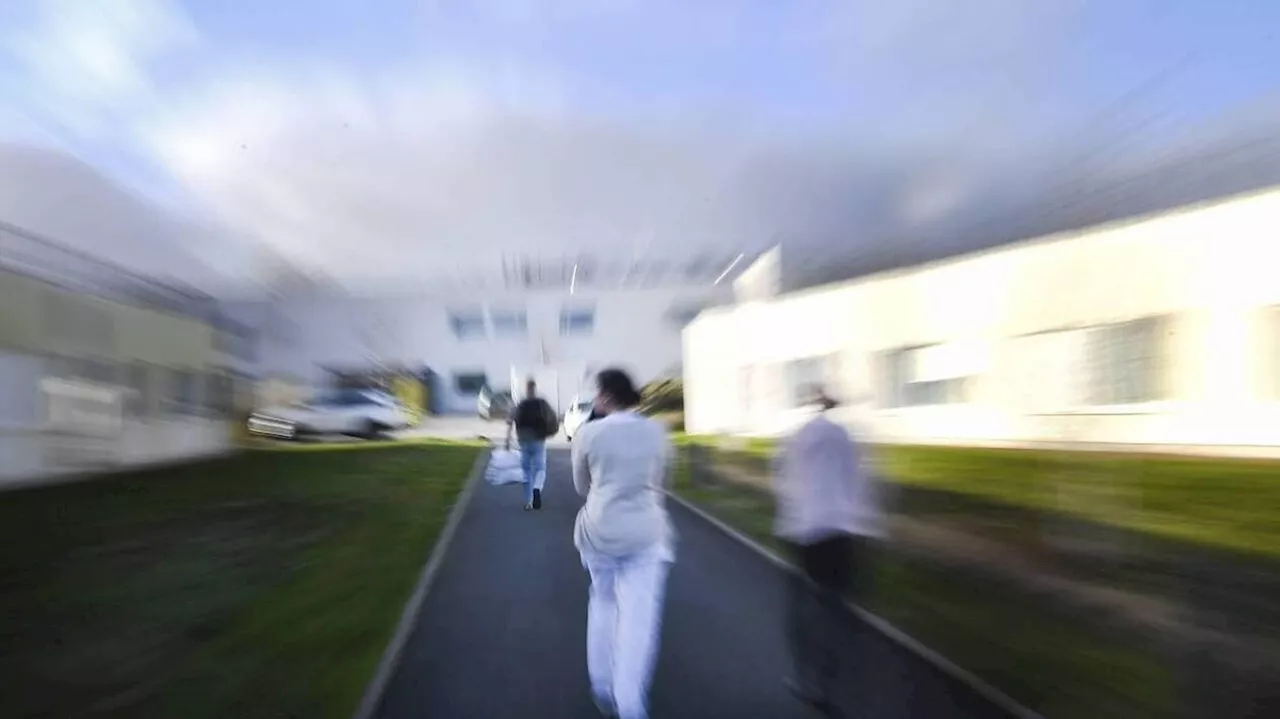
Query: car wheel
x=372, y=430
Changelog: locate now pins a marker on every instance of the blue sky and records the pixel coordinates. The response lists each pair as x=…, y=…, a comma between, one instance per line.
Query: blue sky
x=216, y=107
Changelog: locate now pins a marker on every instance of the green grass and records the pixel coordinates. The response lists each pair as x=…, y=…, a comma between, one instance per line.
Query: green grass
x=1226, y=503
x=261, y=585
x=1047, y=660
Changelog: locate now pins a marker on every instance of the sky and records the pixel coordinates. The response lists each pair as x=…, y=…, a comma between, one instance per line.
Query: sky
x=400, y=140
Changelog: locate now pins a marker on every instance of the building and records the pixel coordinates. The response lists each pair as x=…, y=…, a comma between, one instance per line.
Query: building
x=1158, y=332
x=102, y=368
x=467, y=338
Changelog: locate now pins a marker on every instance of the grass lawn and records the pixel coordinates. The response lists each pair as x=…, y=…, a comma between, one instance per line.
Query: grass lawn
x=1230, y=504
x=1046, y=660
x=261, y=585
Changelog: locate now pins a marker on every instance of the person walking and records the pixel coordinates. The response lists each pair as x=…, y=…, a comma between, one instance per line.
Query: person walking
x=625, y=540
x=534, y=421
x=827, y=513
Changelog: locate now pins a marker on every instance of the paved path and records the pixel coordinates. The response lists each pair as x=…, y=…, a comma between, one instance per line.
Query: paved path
x=502, y=631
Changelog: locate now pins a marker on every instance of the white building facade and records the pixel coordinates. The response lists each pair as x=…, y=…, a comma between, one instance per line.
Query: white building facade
x=493, y=338
x=1161, y=332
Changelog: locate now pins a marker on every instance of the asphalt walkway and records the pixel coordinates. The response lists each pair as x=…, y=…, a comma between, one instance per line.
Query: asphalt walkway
x=502, y=632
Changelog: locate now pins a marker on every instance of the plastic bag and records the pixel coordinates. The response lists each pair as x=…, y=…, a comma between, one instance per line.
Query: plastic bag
x=504, y=467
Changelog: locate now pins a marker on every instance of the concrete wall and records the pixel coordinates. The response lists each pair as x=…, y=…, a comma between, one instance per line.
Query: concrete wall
x=633, y=328
x=1023, y=320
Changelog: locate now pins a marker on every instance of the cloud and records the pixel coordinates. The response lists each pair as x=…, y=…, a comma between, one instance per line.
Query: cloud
x=437, y=168
x=57, y=196
x=89, y=63
x=577, y=128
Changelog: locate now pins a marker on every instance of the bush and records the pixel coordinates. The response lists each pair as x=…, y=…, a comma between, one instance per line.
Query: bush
x=663, y=396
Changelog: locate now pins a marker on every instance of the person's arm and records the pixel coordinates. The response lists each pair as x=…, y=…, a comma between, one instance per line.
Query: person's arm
x=511, y=421
x=581, y=468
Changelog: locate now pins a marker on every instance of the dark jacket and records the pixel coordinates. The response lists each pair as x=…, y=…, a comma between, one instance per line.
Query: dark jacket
x=534, y=420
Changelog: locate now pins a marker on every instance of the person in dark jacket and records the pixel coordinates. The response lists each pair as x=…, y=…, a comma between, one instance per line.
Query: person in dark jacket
x=534, y=421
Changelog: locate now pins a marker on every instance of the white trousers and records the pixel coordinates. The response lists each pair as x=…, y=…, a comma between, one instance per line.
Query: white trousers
x=624, y=621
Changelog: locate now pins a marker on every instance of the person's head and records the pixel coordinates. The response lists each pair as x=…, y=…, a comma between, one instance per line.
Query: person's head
x=615, y=392
x=530, y=388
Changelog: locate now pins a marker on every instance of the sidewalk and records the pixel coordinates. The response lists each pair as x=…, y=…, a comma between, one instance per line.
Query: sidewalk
x=502, y=631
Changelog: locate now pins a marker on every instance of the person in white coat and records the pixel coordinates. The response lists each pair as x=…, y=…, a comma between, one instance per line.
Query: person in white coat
x=626, y=543
x=828, y=512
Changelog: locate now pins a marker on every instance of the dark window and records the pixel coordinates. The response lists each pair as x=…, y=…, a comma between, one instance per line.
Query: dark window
x=141, y=402
x=577, y=321
x=513, y=323
x=343, y=398
x=219, y=397
x=470, y=382
x=467, y=324
x=181, y=397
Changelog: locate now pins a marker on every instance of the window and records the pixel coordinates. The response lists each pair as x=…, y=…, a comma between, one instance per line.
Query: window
x=354, y=398
x=922, y=376
x=804, y=375
x=510, y=323
x=140, y=403
x=468, y=324
x=470, y=382
x=181, y=397
x=577, y=321
x=220, y=396
x=1124, y=362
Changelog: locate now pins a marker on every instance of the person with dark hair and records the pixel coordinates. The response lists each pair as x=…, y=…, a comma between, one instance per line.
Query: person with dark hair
x=626, y=543
x=534, y=421
x=827, y=510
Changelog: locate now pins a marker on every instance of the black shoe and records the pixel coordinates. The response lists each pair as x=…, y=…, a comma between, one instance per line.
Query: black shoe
x=537, y=499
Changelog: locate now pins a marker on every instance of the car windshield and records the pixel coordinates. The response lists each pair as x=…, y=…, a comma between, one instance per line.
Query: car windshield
x=347, y=398
x=584, y=406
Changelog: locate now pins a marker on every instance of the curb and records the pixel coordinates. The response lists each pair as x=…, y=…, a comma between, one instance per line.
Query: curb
x=377, y=687
x=946, y=666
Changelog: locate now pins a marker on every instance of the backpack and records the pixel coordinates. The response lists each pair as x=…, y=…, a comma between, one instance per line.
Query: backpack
x=550, y=420
x=545, y=423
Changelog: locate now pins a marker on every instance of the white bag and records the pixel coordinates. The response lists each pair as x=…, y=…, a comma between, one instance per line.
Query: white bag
x=504, y=467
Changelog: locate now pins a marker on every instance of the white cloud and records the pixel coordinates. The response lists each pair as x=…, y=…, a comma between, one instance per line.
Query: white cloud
x=416, y=171
x=413, y=169
x=88, y=63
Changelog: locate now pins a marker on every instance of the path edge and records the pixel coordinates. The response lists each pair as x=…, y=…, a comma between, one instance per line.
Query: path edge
x=377, y=686
x=880, y=624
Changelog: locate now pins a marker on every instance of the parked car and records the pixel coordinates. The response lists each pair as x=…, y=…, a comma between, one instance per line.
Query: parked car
x=491, y=404
x=575, y=417
x=353, y=412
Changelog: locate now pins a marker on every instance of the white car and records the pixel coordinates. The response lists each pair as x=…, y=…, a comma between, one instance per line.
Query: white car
x=575, y=417
x=352, y=412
